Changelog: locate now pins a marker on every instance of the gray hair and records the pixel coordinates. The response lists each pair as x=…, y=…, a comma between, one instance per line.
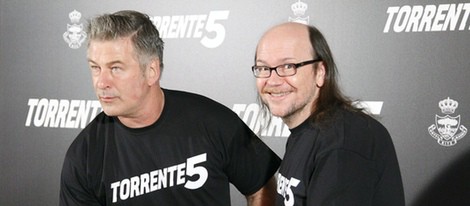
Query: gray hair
x=144, y=35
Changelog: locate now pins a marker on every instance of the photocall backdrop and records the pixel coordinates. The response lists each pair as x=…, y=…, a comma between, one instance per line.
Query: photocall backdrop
x=406, y=61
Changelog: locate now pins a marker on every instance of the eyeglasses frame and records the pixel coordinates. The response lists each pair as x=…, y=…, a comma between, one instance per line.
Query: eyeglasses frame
x=296, y=66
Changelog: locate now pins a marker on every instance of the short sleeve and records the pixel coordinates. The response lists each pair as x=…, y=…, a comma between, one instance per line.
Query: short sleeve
x=252, y=163
x=73, y=183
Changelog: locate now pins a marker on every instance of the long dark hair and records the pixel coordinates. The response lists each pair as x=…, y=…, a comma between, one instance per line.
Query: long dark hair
x=330, y=97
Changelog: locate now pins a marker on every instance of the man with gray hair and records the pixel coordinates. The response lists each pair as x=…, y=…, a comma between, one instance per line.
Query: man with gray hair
x=154, y=146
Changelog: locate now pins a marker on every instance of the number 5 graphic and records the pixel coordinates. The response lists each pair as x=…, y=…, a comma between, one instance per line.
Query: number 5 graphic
x=191, y=170
x=218, y=28
x=289, y=198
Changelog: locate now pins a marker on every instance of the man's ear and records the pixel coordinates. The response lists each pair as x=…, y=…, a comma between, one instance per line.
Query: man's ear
x=320, y=73
x=153, y=71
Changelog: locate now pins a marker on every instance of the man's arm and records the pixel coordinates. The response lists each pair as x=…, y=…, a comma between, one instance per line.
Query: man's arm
x=266, y=196
x=72, y=187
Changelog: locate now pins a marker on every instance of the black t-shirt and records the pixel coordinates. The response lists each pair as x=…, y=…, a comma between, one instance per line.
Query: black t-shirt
x=187, y=157
x=350, y=160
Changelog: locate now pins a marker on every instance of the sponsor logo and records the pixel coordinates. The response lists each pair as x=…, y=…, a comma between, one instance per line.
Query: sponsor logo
x=426, y=18
x=206, y=27
x=249, y=113
x=447, y=129
x=75, y=36
x=299, y=8
x=61, y=113
x=163, y=178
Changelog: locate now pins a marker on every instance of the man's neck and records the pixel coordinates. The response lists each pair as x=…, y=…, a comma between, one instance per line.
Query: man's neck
x=150, y=111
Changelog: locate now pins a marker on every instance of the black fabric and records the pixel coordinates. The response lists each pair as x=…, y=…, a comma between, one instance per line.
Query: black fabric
x=349, y=161
x=110, y=164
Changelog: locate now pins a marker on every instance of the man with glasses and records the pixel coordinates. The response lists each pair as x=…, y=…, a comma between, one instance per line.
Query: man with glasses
x=336, y=154
x=155, y=146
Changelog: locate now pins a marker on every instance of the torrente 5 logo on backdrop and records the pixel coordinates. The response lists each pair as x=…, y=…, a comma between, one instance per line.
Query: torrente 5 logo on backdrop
x=449, y=130
x=61, y=113
x=425, y=18
x=200, y=26
x=250, y=113
x=206, y=27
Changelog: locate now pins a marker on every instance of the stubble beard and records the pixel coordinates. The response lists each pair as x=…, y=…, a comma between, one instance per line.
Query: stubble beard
x=292, y=112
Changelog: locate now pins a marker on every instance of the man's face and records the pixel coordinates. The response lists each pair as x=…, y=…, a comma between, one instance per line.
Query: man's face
x=292, y=97
x=119, y=82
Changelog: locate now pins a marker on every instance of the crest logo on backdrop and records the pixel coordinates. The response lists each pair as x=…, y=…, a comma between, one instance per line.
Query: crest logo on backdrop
x=74, y=36
x=447, y=129
x=299, y=8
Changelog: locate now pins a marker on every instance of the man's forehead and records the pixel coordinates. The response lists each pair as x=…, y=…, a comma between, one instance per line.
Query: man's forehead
x=110, y=50
x=120, y=44
x=283, y=43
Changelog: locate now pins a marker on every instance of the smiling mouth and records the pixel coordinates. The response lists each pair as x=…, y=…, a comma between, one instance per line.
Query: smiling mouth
x=278, y=94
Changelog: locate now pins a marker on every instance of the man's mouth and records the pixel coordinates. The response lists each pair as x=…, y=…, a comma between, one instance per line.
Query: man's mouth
x=278, y=94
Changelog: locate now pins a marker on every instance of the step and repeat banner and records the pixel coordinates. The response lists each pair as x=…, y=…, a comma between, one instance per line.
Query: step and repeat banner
x=406, y=61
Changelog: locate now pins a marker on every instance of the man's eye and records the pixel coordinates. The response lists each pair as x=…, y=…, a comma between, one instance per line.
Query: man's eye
x=261, y=69
x=95, y=68
x=288, y=66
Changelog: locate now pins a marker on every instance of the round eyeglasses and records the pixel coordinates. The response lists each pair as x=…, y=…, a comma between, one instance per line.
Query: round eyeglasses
x=283, y=70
